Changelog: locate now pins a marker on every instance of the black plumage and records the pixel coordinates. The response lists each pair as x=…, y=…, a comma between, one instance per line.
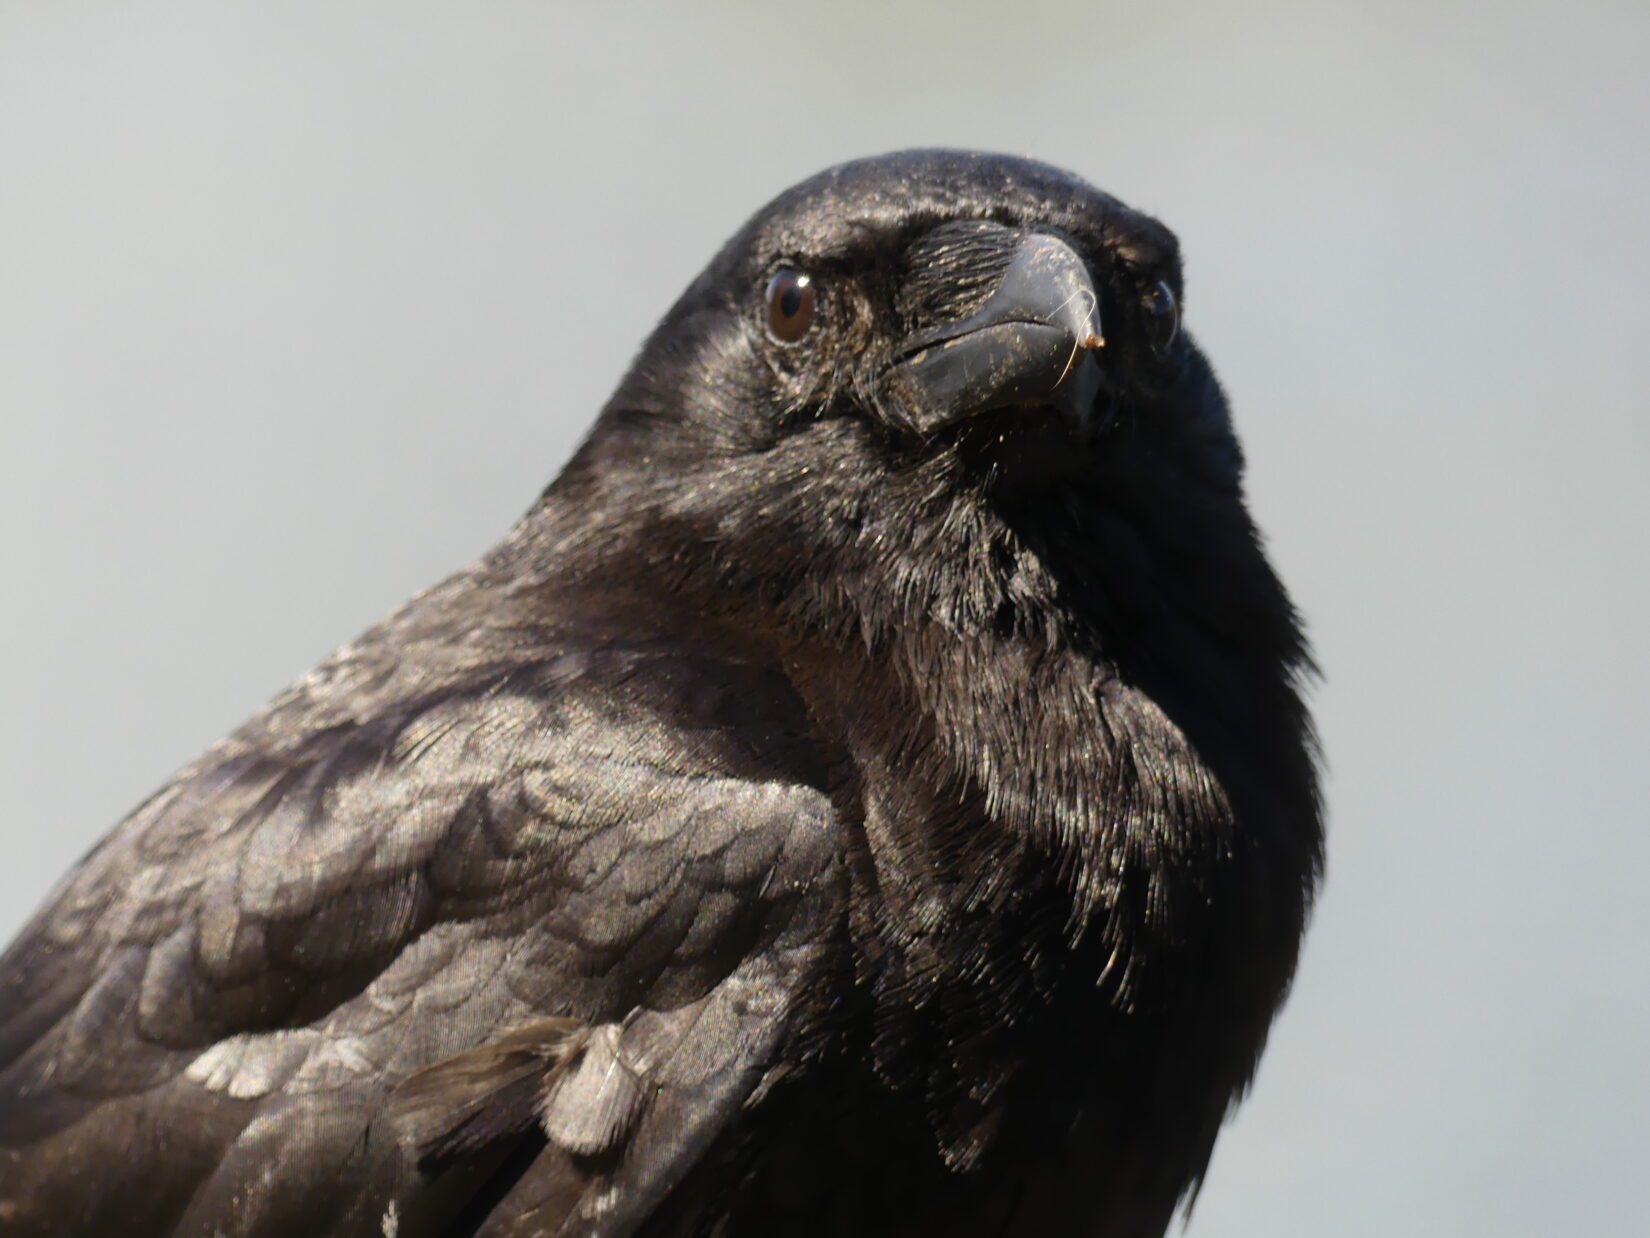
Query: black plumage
x=869, y=792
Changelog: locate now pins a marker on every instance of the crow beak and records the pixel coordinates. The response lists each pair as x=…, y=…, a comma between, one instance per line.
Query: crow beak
x=1032, y=342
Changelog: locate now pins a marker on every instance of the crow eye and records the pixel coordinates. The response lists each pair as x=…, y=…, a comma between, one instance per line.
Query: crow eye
x=790, y=305
x=1163, y=318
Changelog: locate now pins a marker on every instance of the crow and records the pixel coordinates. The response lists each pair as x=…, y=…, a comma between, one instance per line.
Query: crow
x=869, y=792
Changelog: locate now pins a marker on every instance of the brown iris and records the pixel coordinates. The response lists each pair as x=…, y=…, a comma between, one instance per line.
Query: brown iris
x=790, y=305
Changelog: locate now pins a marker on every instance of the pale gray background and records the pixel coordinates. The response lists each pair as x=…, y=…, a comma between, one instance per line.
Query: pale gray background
x=301, y=304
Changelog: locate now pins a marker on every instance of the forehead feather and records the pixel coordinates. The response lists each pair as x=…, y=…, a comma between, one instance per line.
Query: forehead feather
x=871, y=203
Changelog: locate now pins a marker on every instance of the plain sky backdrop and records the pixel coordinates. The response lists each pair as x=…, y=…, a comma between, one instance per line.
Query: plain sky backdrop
x=302, y=303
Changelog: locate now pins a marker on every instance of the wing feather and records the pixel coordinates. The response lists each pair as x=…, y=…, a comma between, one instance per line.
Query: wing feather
x=397, y=924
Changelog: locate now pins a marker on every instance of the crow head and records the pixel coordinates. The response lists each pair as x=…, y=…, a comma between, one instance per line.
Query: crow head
x=944, y=302
x=930, y=369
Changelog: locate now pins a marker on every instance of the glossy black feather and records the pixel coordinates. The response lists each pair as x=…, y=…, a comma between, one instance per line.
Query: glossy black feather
x=795, y=825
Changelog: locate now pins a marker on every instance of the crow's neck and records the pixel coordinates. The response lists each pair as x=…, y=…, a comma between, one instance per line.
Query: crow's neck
x=1089, y=688
x=1072, y=765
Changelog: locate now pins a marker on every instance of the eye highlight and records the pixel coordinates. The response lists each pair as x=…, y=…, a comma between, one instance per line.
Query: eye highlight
x=1162, y=318
x=791, y=299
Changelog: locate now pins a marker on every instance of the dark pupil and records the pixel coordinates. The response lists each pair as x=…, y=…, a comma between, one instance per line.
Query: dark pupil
x=790, y=299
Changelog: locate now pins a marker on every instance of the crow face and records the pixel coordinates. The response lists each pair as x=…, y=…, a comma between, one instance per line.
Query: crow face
x=947, y=302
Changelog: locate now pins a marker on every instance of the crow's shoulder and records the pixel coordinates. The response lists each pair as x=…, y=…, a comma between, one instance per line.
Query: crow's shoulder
x=431, y=840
